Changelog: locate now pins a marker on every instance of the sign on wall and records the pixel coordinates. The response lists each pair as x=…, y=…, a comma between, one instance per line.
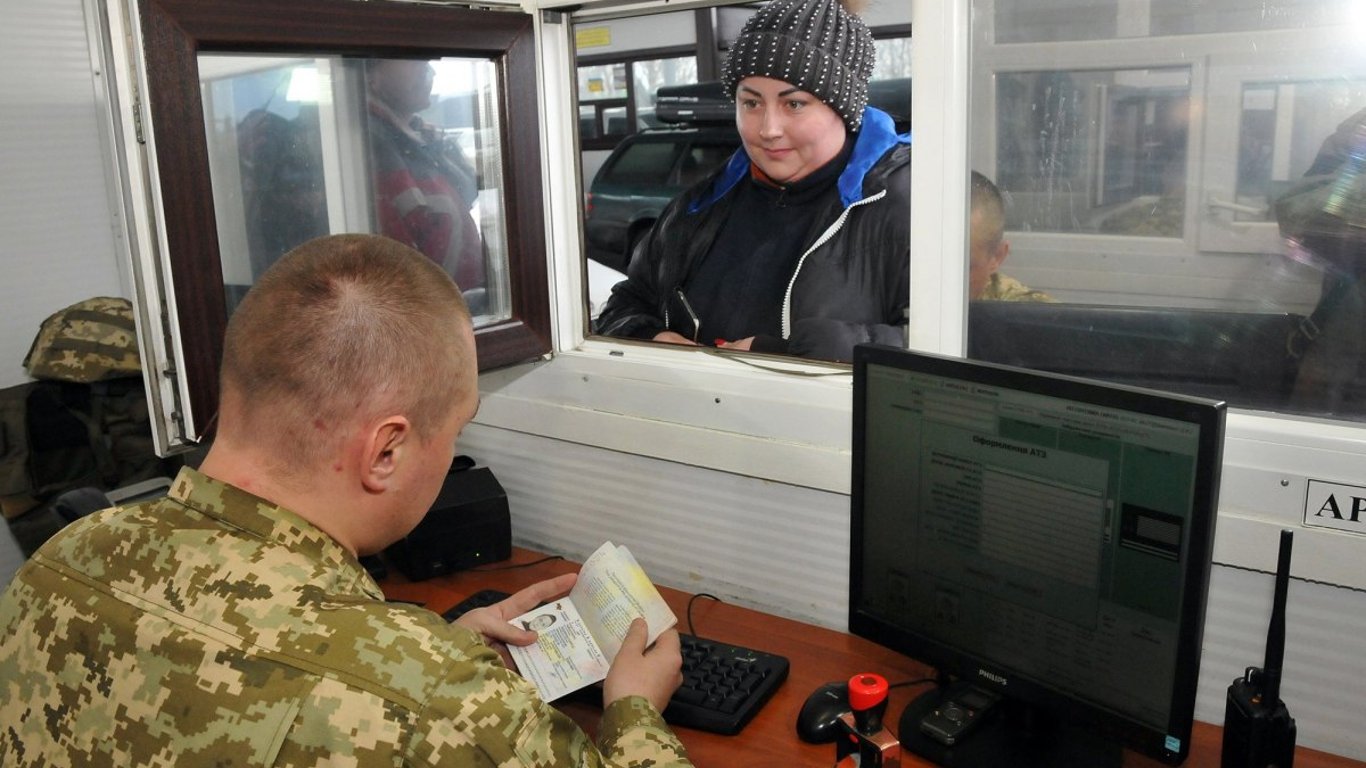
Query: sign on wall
x=1332, y=505
x=592, y=37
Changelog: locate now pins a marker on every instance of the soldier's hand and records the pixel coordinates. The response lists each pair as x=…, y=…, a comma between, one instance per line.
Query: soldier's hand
x=654, y=672
x=492, y=622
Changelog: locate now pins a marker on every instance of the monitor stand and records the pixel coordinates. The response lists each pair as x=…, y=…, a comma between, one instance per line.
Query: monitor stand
x=1010, y=735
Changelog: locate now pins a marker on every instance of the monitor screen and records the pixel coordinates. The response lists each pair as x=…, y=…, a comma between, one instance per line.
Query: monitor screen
x=1042, y=541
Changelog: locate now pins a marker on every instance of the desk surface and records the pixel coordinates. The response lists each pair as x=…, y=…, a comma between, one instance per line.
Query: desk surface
x=817, y=656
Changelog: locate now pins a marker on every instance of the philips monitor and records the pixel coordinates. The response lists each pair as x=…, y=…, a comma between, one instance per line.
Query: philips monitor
x=1043, y=542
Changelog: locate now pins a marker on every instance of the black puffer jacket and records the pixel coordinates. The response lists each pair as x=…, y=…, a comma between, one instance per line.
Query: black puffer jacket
x=853, y=284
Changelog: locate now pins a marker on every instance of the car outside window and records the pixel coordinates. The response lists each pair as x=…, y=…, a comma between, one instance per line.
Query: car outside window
x=642, y=162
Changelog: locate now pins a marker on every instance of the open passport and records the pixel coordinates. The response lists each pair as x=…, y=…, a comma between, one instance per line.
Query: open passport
x=581, y=633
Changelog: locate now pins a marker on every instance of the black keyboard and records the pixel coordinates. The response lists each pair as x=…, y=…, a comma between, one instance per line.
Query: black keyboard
x=724, y=685
x=481, y=599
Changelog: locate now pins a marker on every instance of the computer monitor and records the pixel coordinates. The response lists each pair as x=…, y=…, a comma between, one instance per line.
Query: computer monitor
x=1039, y=540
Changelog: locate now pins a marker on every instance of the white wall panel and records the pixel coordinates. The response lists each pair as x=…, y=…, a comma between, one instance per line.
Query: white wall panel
x=639, y=33
x=770, y=546
x=1322, y=684
x=785, y=550
x=56, y=240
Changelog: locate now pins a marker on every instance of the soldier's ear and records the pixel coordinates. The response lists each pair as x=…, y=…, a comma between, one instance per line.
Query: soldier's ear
x=387, y=444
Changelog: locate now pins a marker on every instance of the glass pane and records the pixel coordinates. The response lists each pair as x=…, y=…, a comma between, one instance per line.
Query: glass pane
x=890, y=88
x=302, y=146
x=1101, y=151
x=893, y=58
x=614, y=121
x=1182, y=17
x=1200, y=227
x=627, y=193
x=642, y=162
x=588, y=122
x=1282, y=130
x=1063, y=20
x=602, y=81
x=649, y=75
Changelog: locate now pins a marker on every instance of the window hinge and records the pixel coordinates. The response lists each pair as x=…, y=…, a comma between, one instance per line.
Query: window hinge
x=137, y=116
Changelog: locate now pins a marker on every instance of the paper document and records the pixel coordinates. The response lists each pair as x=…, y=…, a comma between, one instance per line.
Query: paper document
x=581, y=633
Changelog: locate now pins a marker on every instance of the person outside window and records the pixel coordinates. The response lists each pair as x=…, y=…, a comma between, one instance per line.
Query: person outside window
x=424, y=184
x=231, y=622
x=800, y=243
x=1323, y=218
x=989, y=248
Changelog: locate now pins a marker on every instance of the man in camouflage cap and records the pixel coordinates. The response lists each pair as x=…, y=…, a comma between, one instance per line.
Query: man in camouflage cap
x=231, y=622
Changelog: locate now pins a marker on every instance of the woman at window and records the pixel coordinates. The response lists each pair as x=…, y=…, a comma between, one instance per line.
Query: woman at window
x=800, y=244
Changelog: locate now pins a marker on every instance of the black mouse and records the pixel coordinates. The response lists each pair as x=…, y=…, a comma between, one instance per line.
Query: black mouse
x=818, y=722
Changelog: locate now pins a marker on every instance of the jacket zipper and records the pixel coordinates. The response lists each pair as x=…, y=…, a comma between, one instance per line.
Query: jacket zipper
x=696, y=323
x=830, y=232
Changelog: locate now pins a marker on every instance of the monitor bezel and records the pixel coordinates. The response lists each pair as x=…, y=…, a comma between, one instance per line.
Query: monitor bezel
x=957, y=662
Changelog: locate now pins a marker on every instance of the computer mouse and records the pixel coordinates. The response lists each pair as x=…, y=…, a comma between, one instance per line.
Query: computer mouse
x=818, y=720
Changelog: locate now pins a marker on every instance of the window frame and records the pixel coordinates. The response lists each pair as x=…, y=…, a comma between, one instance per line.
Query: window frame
x=1268, y=457
x=1230, y=71
x=787, y=421
x=173, y=32
x=605, y=141
x=1119, y=55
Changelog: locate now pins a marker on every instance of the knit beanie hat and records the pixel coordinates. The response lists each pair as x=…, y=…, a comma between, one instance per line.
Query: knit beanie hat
x=815, y=45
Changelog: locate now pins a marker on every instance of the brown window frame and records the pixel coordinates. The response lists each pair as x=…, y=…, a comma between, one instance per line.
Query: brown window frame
x=176, y=31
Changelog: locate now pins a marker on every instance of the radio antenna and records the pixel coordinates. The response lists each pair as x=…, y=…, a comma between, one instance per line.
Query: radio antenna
x=1258, y=729
x=1275, y=633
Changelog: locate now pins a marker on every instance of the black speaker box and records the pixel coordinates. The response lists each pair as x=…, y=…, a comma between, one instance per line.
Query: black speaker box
x=467, y=525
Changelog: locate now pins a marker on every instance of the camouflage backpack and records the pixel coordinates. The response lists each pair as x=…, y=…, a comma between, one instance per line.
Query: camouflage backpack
x=82, y=424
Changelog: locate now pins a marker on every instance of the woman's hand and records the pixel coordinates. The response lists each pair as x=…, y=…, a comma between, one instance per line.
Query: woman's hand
x=742, y=344
x=669, y=337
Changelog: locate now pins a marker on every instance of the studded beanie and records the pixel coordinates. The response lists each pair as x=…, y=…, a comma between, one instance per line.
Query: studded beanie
x=816, y=45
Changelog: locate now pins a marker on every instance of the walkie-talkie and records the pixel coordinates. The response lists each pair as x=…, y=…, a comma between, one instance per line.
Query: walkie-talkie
x=1258, y=730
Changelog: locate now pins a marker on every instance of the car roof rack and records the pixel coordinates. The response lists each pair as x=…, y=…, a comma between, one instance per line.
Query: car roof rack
x=699, y=103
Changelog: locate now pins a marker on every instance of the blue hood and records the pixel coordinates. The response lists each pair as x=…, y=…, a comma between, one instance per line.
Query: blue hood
x=877, y=135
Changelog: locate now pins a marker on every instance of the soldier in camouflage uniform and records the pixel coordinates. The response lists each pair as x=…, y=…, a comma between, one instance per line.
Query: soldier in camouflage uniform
x=989, y=248
x=231, y=623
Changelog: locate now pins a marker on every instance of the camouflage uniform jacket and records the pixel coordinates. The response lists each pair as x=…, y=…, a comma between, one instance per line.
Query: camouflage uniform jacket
x=1006, y=288
x=213, y=628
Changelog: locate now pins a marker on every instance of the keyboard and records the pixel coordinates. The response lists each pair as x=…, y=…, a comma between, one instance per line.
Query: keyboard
x=724, y=685
x=481, y=599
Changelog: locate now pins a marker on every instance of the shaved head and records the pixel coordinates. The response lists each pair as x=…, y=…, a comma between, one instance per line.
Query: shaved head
x=338, y=331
